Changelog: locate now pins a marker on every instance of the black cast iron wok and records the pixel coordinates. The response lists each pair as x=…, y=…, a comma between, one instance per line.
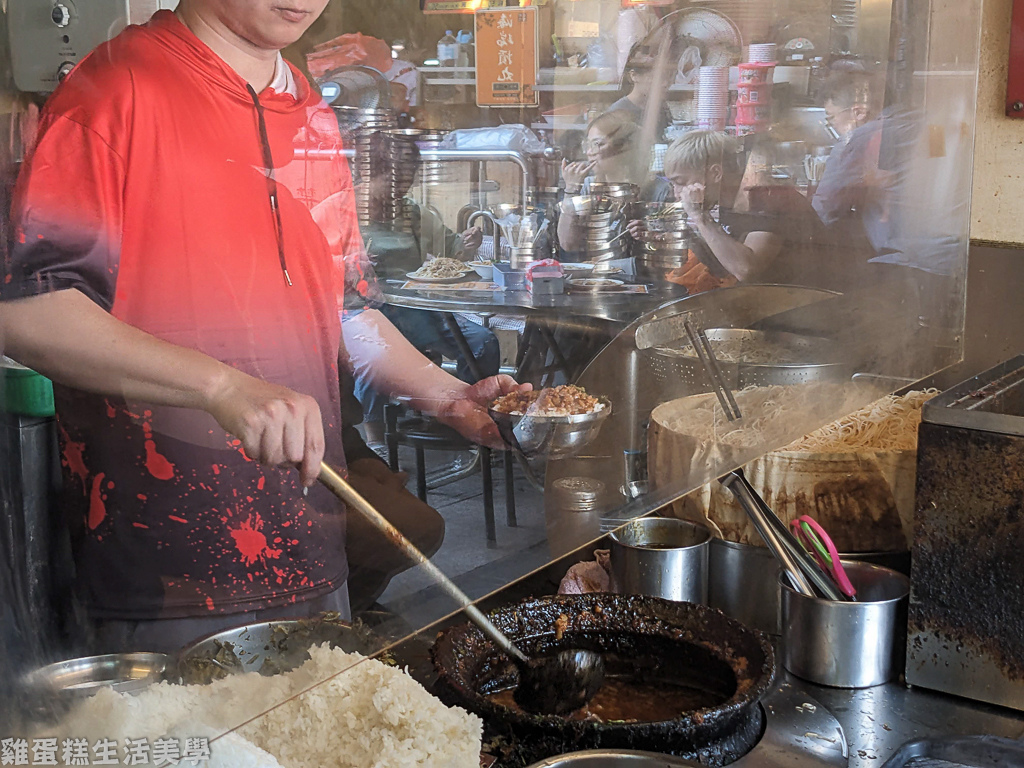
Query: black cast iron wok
x=644, y=638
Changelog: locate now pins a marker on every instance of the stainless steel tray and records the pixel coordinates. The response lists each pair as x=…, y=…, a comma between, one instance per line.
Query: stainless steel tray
x=962, y=752
x=269, y=647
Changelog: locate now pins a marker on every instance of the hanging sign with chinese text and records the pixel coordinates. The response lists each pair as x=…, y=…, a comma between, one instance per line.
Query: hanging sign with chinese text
x=506, y=57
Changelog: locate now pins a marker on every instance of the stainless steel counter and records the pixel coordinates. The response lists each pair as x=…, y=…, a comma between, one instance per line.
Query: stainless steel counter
x=878, y=720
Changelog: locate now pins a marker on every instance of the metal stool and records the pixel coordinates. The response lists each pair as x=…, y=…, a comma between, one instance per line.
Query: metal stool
x=423, y=434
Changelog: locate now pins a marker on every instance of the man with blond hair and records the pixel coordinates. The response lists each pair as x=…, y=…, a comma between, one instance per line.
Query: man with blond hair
x=705, y=170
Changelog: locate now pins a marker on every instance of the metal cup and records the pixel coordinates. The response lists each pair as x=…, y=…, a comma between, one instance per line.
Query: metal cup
x=661, y=557
x=848, y=645
x=636, y=482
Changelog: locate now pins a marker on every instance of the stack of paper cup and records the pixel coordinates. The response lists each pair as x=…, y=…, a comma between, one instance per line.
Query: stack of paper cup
x=713, y=98
x=762, y=53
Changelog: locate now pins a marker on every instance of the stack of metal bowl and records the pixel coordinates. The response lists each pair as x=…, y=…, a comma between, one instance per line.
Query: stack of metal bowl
x=577, y=493
x=402, y=164
x=360, y=125
x=663, y=240
x=433, y=173
x=614, y=192
x=604, y=218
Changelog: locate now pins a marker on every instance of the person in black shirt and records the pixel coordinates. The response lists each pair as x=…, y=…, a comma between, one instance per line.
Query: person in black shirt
x=708, y=177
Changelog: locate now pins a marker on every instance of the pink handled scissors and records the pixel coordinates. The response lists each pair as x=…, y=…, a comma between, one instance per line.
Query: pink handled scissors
x=818, y=544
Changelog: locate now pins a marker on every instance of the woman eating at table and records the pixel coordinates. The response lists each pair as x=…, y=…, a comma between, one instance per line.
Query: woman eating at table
x=613, y=154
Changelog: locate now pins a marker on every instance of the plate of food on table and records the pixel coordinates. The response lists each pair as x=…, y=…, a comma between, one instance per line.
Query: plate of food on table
x=440, y=270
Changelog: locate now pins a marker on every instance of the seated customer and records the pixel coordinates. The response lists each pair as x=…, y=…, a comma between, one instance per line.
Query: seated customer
x=707, y=174
x=400, y=252
x=613, y=154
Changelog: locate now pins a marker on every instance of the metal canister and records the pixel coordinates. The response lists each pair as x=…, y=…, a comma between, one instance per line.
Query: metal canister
x=661, y=557
x=848, y=644
x=744, y=584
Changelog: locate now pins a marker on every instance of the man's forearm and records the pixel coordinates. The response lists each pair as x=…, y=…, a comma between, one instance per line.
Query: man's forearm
x=377, y=351
x=67, y=337
x=731, y=254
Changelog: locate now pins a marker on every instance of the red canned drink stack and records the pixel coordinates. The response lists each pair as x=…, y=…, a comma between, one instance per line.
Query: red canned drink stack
x=754, y=90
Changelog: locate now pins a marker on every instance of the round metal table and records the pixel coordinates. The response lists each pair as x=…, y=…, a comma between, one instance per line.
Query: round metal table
x=602, y=305
x=581, y=311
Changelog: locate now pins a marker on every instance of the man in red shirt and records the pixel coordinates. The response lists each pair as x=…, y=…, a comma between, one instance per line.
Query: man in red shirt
x=178, y=272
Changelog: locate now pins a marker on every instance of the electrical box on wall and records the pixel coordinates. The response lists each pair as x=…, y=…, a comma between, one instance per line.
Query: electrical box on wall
x=48, y=37
x=1015, y=72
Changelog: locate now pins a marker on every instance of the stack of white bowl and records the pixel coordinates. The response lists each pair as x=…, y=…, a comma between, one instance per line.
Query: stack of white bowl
x=762, y=53
x=713, y=98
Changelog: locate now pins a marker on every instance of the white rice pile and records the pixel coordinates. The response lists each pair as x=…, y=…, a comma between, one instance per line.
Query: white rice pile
x=369, y=716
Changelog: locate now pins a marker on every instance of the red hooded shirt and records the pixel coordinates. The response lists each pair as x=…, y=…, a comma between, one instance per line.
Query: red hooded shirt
x=148, y=192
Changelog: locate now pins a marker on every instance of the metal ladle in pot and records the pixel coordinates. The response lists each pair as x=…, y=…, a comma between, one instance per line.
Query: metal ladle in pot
x=549, y=685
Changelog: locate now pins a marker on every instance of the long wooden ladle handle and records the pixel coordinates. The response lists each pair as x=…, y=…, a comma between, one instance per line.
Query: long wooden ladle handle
x=341, y=488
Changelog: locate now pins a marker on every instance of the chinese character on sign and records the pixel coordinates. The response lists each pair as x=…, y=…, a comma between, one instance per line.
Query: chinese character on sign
x=44, y=751
x=75, y=751
x=166, y=751
x=104, y=752
x=196, y=750
x=136, y=751
x=506, y=57
x=14, y=752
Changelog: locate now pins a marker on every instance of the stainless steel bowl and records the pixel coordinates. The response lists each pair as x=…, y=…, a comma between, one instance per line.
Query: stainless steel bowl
x=269, y=647
x=645, y=210
x=626, y=192
x=598, y=220
x=551, y=436
x=121, y=672
x=677, y=235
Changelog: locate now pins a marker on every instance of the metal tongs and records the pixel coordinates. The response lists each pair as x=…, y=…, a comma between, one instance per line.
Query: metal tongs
x=802, y=571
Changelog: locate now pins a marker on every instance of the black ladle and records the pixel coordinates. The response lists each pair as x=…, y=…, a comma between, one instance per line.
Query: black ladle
x=548, y=685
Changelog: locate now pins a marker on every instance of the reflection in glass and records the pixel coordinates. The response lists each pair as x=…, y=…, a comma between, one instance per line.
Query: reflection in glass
x=775, y=180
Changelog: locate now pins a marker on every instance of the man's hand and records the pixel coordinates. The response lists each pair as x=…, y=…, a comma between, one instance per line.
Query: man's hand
x=276, y=425
x=472, y=238
x=635, y=227
x=468, y=414
x=692, y=199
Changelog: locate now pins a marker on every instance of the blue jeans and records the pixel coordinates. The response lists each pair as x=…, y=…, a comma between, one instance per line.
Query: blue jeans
x=427, y=332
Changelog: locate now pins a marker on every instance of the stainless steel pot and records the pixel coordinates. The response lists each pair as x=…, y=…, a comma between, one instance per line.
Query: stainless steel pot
x=743, y=583
x=661, y=557
x=809, y=359
x=848, y=644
